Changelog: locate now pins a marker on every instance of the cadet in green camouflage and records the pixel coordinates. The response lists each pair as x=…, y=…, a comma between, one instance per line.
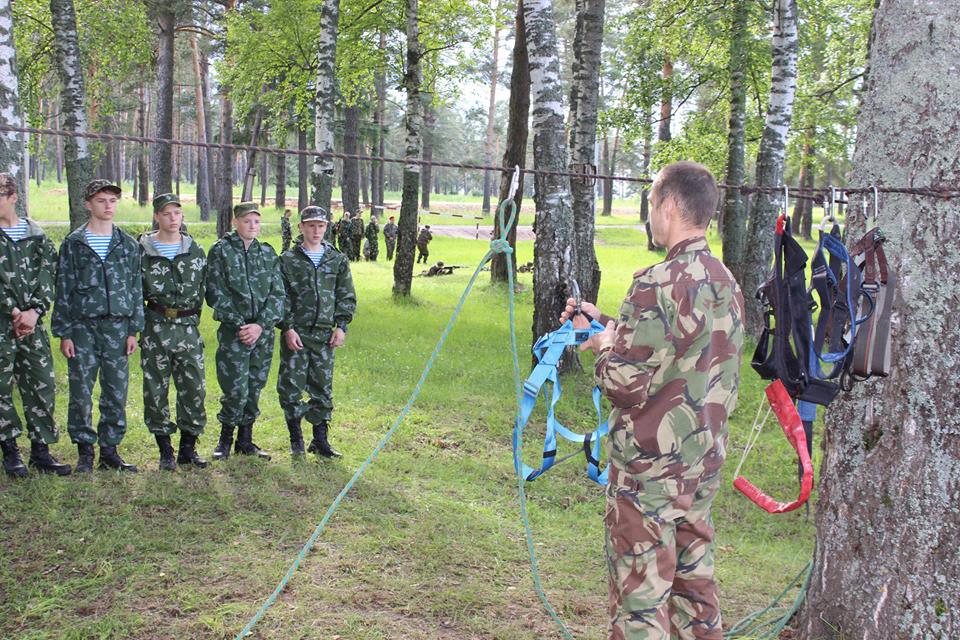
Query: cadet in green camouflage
x=174, y=275
x=28, y=261
x=286, y=232
x=356, y=233
x=372, y=234
x=345, y=237
x=320, y=301
x=669, y=364
x=390, y=233
x=97, y=315
x=245, y=290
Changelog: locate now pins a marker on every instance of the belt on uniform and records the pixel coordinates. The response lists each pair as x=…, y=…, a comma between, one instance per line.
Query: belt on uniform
x=170, y=313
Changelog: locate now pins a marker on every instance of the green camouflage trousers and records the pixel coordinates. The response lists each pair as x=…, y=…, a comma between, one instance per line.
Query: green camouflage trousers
x=28, y=361
x=309, y=369
x=391, y=245
x=242, y=373
x=659, y=545
x=170, y=349
x=100, y=349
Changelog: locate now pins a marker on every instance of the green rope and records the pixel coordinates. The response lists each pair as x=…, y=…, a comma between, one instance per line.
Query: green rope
x=751, y=625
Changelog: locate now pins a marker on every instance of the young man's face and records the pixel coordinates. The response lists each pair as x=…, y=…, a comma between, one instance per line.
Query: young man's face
x=248, y=226
x=102, y=206
x=170, y=218
x=313, y=231
x=8, y=204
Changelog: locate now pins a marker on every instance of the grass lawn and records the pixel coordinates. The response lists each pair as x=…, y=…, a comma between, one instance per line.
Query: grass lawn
x=428, y=544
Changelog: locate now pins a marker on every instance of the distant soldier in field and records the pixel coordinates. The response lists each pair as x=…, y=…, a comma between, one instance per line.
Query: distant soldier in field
x=28, y=263
x=390, y=233
x=245, y=290
x=320, y=301
x=286, y=233
x=670, y=366
x=345, y=236
x=356, y=233
x=97, y=315
x=174, y=283
x=371, y=248
x=423, y=244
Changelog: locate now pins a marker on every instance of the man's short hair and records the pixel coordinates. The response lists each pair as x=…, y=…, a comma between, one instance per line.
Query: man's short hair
x=692, y=187
x=8, y=184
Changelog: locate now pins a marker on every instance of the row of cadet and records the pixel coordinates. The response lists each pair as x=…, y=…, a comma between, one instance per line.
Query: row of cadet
x=106, y=287
x=349, y=232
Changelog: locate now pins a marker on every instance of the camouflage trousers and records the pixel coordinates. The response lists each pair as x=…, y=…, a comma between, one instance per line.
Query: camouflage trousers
x=100, y=347
x=659, y=546
x=310, y=370
x=391, y=245
x=28, y=362
x=423, y=252
x=373, y=250
x=171, y=349
x=242, y=373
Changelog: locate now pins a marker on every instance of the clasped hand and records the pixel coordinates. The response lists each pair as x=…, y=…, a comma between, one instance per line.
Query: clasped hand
x=597, y=341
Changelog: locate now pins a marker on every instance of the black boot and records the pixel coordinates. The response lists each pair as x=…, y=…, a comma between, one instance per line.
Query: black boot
x=296, y=437
x=110, y=459
x=12, y=463
x=188, y=451
x=319, y=444
x=244, y=444
x=42, y=461
x=167, y=463
x=85, y=459
x=222, y=450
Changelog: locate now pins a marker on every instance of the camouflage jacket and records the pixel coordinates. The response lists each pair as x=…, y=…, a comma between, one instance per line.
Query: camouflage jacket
x=356, y=228
x=373, y=229
x=175, y=284
x=286, y=232
x=244, y=286
x=673, y=371
x=91, y=288
x=390, y=230
x=27, y=271
x=343, y=231
x=319, y=296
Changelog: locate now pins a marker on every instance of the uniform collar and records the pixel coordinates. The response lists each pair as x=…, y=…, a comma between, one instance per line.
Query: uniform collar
x=696, y=243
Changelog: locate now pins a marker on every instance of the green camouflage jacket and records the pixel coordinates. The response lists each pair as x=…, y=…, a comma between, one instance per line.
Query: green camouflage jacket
x=286, y=232
x=175, y=284
x=27, y=271
x=673, y=371
x=90, y=288
x=318, y=297
x=244, y=286
x=373, y=229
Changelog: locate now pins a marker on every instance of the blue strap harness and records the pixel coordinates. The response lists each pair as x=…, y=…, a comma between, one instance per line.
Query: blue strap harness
x=548, y=350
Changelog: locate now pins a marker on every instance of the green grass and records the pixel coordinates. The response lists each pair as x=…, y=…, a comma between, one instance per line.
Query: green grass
x=429, y=542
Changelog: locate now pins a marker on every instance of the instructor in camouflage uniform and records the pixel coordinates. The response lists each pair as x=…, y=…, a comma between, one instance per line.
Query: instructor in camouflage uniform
x=286, y=233
x=371, y=247
x=390, y=233
x=344, y=238
x=245, y=290
x=319, y=305
x=97, y=315
x=356, y=233
x=669, y=364
x=28, y=261
x=174, y=271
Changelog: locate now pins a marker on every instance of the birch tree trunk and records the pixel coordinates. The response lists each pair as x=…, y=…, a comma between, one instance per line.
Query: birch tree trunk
x=376, y=169
x=515, y=153
x=203, y=167
x=11, y=143
x=250, y=171
x=584, y=97
x=887, y=524
x=491, y=113
x=77, y=158
x=407, y=226
x=350, y=183
x=554, y=257
x=322, y=176
x=163, y=153
x=773, y=145
x=734, y=226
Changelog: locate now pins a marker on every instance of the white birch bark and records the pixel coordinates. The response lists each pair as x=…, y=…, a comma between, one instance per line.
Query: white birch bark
x=11, y=143
x=322, y=175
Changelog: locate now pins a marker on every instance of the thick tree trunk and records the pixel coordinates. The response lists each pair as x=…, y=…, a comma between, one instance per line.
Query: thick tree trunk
x=11, y=144
x=225, y=181
x=350, y=181
x=407, y=226
x=516, y=152
x=78, y=162
x=163, y=153
x=734, y=226
x=584, y=99
x=773, y=144
x=554, y=258
x=887, y=524
x=322, y=175
x=203, y=166
x=491, y=114
x=427, y=136
x=666, y=101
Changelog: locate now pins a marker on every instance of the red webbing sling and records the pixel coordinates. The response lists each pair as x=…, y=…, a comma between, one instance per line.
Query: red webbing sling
x=789, y=419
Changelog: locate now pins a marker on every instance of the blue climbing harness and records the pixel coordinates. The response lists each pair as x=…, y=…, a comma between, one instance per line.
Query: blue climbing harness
x=548, y=350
